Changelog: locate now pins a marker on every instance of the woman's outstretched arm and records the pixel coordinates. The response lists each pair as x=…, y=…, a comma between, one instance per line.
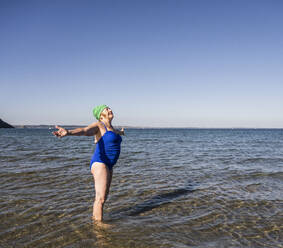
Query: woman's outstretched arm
x=90, y=130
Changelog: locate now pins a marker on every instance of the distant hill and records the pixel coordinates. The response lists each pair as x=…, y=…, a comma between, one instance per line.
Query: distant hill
x=3, y=124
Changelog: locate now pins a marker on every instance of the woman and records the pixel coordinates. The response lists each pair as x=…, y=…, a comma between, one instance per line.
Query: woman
x=105, y=156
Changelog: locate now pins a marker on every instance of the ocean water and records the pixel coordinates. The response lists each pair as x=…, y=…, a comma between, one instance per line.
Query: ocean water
x=170, y=188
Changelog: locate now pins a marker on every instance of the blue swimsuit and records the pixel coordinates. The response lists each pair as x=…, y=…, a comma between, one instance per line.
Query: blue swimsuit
x=107, y=149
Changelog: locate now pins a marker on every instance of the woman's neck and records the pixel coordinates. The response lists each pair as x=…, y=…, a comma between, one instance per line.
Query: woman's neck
x=107, y=123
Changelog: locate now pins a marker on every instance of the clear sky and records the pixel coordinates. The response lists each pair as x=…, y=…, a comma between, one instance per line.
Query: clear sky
x=176, y=63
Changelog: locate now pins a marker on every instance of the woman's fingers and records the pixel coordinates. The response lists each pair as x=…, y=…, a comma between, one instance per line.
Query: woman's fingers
x=60, y=132
x=56, y=133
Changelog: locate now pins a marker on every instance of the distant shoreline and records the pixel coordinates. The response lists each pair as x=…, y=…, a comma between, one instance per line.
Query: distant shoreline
x=140, y=127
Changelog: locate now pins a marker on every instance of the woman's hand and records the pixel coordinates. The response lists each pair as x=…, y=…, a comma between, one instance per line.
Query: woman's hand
x=61, y=132
x=122, y=131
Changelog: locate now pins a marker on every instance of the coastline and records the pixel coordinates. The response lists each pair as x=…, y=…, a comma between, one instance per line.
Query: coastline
x=46, y=126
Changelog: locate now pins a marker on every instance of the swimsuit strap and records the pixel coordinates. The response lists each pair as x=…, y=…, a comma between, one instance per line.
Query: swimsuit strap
x=104, y=126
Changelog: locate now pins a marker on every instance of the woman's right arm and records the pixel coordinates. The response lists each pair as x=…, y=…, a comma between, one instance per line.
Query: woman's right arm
x=90, y=130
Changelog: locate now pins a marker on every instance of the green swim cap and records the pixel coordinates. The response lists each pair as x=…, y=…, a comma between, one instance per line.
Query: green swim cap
x=98, y=109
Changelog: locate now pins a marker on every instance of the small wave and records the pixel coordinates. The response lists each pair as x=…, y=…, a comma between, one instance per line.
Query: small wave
x=255, y=175
x=262, y=159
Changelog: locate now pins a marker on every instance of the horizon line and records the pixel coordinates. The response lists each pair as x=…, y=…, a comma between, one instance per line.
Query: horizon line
x=144, y=127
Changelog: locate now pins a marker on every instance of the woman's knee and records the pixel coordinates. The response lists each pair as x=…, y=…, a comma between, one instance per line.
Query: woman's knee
x=100, y=199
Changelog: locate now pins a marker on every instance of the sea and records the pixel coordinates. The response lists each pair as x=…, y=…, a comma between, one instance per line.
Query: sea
x=174, y=188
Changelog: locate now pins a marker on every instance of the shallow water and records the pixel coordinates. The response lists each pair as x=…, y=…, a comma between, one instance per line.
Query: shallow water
x=170, y=188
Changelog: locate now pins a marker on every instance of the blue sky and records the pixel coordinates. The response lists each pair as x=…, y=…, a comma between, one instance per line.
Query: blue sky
x=178, y=63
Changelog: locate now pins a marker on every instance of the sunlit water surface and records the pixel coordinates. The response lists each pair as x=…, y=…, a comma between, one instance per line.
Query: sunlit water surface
x=171, y=188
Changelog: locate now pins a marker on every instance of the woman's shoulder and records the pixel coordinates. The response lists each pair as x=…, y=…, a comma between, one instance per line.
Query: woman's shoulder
x=96, y=124
x=100, y=125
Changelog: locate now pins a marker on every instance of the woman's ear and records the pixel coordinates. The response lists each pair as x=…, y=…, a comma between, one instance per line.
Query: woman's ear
x=101, y=117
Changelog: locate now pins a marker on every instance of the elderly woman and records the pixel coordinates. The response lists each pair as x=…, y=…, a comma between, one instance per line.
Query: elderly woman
x=105, y=156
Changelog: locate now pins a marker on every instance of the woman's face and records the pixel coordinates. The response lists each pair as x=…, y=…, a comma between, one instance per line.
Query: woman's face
x=107, y=113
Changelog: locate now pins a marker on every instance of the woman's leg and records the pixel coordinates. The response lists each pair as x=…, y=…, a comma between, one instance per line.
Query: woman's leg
x=102, y=180
x=109, y=182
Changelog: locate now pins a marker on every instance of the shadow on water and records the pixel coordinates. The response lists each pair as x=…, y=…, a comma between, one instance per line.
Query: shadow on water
x=155, y=202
